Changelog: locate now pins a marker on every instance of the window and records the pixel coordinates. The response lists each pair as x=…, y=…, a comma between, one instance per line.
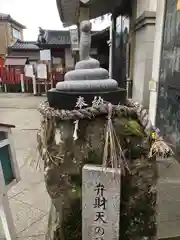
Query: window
x=16, y=34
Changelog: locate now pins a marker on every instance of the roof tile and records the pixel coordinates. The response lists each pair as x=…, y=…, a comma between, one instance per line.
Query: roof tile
x=24, y=45
x=58, y=37
x=61, y=37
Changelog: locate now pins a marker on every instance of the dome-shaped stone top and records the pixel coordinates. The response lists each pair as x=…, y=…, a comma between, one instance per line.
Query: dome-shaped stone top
x=87, y=76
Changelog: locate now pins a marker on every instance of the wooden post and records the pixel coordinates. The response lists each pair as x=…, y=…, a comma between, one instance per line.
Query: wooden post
x=5, y=88
x=49, y=69
x=34, y=85
x=38, y=89
x=22, y=83
x=45, y=85
x=27, y=85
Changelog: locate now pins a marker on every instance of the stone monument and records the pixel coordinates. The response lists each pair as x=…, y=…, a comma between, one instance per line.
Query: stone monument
x=87, y=80
x=84, y=124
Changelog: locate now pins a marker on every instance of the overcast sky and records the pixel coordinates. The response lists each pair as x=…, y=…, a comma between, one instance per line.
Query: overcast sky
x=37, y=13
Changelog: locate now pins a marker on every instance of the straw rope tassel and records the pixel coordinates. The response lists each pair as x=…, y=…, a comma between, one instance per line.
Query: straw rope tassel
x=116, y=155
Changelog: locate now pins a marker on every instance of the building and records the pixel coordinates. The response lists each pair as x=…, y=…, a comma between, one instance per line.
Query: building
x=27, y=49
x=10, y=32
x=59, y=44
x=20, y=52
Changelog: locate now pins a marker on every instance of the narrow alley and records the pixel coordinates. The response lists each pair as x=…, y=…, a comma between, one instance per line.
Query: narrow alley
x=28, y=199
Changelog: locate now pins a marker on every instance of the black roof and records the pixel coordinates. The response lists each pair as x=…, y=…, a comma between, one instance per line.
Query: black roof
x=24, y=45
x=57, y=37
x=60, y=37
x=7, y=125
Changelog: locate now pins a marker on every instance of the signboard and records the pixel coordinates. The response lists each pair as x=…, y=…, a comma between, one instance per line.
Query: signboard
x=153, y=85
x=28, y=69
x=45, y=55
x=100, y=203
x=74, y=39
x=42, y=71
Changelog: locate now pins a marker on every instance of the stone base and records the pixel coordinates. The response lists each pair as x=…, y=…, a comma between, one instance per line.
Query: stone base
x=67, y=100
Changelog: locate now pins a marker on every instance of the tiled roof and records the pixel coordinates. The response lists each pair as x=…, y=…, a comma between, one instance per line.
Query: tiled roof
x=24, y=45
x=7, y=17
x=58, y=37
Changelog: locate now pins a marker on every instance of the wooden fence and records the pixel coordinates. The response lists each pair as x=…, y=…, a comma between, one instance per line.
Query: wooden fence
x=10, y=81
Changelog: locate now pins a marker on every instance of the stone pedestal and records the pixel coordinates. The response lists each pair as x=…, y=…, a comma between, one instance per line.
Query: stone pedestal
x=63, y=178
x=67, y=100
x=87, y=80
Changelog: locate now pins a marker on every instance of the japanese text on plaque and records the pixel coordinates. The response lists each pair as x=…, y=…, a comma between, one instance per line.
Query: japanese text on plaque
x=100, y=204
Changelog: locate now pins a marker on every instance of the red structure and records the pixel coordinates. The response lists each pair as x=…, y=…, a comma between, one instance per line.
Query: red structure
x=10, y=79
x=9, y=76
x=1, y=62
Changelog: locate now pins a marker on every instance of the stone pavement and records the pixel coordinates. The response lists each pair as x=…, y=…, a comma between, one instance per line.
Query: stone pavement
x=28, y=199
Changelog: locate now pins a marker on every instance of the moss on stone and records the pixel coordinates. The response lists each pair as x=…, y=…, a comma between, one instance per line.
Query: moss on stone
x=63, y=177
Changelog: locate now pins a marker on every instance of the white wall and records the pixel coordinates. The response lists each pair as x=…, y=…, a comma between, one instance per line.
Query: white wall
x=145, y=5
x=143, y=52
x=143, y=64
